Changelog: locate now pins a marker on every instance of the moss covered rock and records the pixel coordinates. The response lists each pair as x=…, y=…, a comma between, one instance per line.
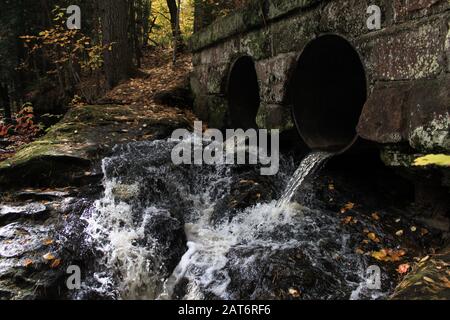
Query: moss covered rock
x=67, y=153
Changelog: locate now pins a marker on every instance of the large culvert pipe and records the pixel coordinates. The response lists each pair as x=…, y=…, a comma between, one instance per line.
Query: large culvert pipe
x=243, y=94
x=328, y=91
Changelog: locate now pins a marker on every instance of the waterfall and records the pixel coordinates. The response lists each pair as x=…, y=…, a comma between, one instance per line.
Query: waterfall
x=173, y=232
x=309, y=165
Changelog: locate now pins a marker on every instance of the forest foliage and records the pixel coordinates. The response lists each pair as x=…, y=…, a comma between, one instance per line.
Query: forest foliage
x=45, y=65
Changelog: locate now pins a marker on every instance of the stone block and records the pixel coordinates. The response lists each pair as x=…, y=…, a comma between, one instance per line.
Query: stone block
x=273, y=75
x=405, y=54
x=412, y=9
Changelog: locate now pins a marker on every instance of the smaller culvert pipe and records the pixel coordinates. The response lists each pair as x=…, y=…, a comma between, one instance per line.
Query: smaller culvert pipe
x=328, y=90
x=243, y=94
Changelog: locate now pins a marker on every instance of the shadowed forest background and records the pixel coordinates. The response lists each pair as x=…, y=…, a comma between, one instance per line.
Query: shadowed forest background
x=46, y=68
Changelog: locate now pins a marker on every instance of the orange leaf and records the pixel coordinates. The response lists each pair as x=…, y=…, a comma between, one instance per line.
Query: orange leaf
x=48, y=242
x=27, y=263
x=55, y=264
x=372, y=236
x=403, y=268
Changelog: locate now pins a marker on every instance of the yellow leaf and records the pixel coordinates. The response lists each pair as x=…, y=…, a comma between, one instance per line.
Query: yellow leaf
x=380, y=255
x=372, y=236
x=55, y=264
x=433, y=159
x=429, y=280
x=48, y=257
x=399, y=233
x=48, y=242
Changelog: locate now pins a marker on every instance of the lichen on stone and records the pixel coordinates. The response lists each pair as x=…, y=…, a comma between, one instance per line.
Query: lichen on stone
x=433, y=136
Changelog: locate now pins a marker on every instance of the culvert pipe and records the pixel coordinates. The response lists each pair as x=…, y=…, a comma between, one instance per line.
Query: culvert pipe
x=243, y=93
x=328, y=91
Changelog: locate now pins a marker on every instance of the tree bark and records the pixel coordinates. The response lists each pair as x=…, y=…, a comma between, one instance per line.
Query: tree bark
x=118, y=62
x=175, y=24
x=5, y=102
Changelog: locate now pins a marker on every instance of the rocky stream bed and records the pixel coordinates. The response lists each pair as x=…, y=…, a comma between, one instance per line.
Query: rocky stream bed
x=141, y=228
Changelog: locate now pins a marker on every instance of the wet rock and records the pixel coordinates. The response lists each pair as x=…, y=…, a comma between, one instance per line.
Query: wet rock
x=66, y=154
x=248, y=188
x=11, y=213
x=43, y=195
x=275, y=274
x=169, y=233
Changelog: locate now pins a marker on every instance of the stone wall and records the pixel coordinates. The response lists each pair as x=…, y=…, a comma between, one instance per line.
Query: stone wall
x=407, y=63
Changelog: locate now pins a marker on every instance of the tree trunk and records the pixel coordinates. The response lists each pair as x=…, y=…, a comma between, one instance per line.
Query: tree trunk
x=118, y=61
x=175, y=24
x=5, y=103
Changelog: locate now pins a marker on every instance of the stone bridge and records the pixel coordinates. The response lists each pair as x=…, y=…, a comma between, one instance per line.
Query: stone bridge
x=315, y=65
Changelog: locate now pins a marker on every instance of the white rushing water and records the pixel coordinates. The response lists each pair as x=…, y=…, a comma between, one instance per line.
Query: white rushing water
x=309, y=165
x=146, y=197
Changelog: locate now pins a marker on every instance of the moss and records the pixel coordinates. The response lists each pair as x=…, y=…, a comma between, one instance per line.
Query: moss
x=396, y=158
x=433, y=136
x=279, y=8
x=245, y=19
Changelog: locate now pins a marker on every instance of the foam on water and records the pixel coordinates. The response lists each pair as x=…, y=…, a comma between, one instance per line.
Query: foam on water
x=143, y=186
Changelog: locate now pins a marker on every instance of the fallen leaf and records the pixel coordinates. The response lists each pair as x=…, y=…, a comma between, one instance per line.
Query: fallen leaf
x=429, y=280
x=331, y=187
x=396, y=255
x=403, y=268
x=27, y=263
x=375, y=216
x=347, y=207
x=372, y=236
x=445, y=281
x=433, y=159
x=359, y=251
x=48, y=242
x=425, y=259
x=399, y=233
x=55, y=264
x=380, y=255
x=294, y=293
x=388, y=255
x=347, y=220
x=423, y=232
x=48, y=257
x=413, y=229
